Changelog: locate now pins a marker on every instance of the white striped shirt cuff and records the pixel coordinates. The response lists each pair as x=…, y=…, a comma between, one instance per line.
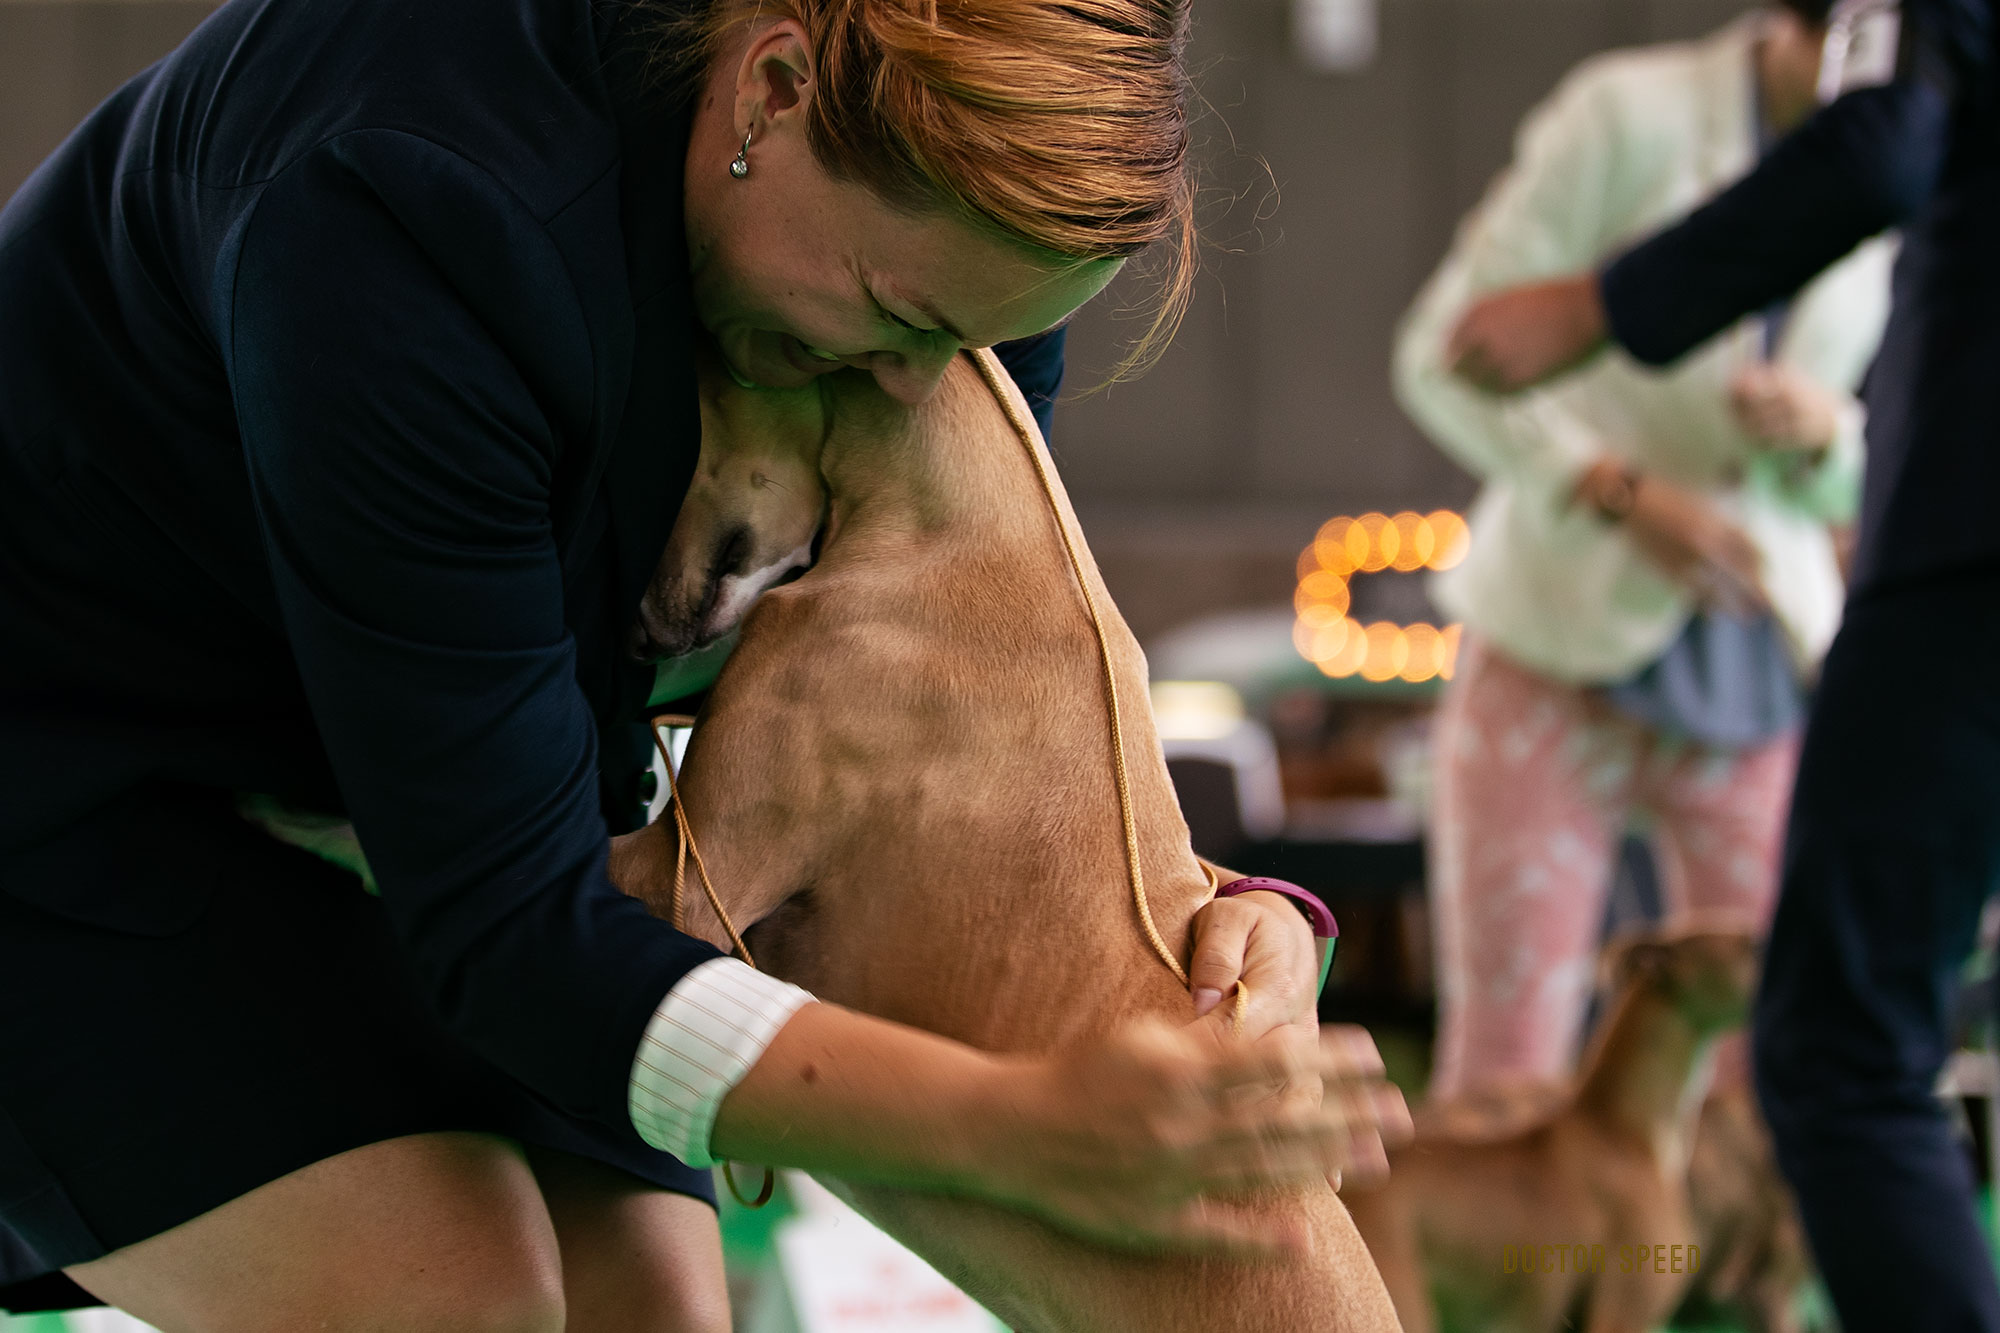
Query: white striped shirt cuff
x=703, y=1039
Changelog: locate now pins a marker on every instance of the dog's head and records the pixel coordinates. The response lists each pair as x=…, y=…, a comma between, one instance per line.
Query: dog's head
x=751, y=518
x=1706, y=969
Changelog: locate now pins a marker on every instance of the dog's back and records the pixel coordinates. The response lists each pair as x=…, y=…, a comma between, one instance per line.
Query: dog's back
x=912, y=755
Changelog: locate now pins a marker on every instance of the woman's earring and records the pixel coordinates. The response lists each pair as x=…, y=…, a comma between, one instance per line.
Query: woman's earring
x=741, y=166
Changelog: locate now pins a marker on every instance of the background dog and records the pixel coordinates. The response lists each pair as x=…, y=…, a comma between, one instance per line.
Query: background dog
x=1526, y=1211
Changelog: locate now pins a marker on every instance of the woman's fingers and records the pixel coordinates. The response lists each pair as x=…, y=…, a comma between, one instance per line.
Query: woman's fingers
x=1221, y=940
x=1343, y=1119
x=1260, y=940
x=1336, y=1054
x=1150, y=1127
x=1784, y=407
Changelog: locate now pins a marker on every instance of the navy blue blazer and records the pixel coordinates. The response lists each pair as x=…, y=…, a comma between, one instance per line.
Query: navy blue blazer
x=1921, y=152
x=346, y=402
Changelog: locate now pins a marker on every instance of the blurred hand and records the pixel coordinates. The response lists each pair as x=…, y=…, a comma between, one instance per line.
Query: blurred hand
x=1689, y=540
x=1784, y=408
x=1130, y=1138
x=1516, y=338
x=1262, y=940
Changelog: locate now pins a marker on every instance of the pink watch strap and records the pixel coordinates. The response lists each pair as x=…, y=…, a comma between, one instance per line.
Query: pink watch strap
x=1324, y=927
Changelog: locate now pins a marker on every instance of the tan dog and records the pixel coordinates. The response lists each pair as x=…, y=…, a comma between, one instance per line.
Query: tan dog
x=1526, y=1214
x=903, y=778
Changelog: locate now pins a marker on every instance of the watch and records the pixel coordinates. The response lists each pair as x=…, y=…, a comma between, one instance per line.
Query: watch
x=1324, y=927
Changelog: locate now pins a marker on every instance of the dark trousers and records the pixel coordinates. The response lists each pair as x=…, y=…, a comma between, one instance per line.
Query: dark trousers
x=1893, y=848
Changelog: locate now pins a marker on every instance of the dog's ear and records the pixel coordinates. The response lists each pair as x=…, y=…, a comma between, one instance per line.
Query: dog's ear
x=1642, y=960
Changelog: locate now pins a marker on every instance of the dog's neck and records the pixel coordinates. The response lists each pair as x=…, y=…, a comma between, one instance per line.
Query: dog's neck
x=978, y=662
x=1647, y=1073
x=896, y=468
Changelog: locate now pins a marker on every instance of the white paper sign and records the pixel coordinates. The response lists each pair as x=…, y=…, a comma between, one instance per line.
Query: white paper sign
x=846, y=1276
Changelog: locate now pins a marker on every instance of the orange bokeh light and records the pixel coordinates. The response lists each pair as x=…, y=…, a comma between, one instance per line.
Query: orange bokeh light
x=1451, y=537
x=1414, y=542
x=1343, y=547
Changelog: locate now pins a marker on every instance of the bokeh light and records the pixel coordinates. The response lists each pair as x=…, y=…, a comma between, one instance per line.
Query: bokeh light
x=1388, y=649
x=1341, y=647
x=1381, y=540
x=1451, y=537
x=1414, y=542
x=1425, y=657
x=1195, y=710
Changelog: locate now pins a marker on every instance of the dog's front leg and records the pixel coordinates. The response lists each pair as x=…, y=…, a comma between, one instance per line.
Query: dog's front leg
x=1636, y=1302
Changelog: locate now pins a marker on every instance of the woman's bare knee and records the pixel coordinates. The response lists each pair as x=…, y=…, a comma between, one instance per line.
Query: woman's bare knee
x=435, y=1233
x=636, y=1259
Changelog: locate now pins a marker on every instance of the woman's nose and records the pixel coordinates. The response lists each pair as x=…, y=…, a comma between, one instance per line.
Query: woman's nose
x=911, y=377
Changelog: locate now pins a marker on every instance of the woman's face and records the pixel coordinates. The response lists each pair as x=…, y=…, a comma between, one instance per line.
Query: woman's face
x=797, y=273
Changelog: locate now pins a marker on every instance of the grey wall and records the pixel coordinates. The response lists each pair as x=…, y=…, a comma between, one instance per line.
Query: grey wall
x=60, y=58
x=1272, y=411
x=1276, y=392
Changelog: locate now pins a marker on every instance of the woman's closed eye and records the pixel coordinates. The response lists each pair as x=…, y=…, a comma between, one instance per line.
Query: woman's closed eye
x=895, y=320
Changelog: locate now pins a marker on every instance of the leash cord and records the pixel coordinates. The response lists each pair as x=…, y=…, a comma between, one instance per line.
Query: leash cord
x=989, y=369
x=685, y=845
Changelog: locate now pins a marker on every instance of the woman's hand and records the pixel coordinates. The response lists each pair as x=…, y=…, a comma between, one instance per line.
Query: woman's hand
x=1514, y=339
x=1685, y=537
x=1262, y=940
x=1785, y=408
x=1129, y=1139
x=1126, y=1136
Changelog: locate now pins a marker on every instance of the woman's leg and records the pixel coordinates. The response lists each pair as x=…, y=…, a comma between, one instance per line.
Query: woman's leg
x=1721, y=825
x=1530, y=795
x=433, y=1233
x=635, y=1258
x=1719, y=837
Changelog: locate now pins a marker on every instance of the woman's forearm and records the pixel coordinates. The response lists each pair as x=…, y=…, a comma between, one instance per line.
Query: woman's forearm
x=861, y=1097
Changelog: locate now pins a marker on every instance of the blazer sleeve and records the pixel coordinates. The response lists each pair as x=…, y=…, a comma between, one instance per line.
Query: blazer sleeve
x=1550, y=212
x=1867, y=161
x=405, y=351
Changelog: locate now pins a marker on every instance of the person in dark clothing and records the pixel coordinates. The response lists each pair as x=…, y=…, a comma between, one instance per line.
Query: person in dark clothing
x=1894, y=841
x=347, y=393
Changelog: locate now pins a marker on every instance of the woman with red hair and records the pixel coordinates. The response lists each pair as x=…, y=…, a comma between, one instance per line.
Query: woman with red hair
x=350, y=367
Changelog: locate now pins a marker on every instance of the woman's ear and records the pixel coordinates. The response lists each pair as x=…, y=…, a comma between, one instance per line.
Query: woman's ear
x=774, y=82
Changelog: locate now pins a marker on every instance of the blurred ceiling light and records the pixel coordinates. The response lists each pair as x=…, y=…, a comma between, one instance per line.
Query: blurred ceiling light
x=1343, y=547
x=1335, y=36
x=1195, y=710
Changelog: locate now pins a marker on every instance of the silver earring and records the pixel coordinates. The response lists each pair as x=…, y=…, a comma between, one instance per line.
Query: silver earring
x=741, y=166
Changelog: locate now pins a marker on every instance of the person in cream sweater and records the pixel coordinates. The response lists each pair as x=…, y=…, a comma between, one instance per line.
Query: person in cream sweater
x=1652, y=577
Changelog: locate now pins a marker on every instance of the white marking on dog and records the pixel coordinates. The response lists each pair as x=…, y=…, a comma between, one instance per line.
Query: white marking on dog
x=735, y=592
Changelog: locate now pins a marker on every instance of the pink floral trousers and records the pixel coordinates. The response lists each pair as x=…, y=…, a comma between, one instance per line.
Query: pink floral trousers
x=1536, y=782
